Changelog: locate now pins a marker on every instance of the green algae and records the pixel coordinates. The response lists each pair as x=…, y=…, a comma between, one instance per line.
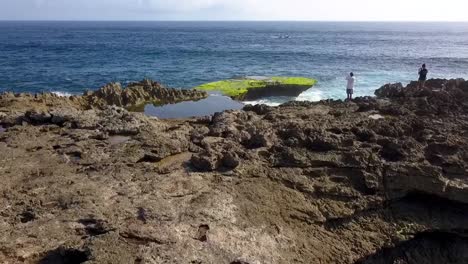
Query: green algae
x=295, y=81
x=240, y=88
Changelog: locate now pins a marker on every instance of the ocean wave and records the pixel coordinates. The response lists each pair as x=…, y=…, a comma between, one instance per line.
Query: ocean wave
x=311, y=95
x=263, y=101
x=62, y=94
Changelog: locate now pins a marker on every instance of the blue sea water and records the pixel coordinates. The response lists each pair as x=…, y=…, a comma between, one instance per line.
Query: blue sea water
x=70, y=57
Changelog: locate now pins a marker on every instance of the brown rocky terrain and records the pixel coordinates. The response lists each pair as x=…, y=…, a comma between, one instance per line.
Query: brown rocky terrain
x=376, y=180
x=133, y=97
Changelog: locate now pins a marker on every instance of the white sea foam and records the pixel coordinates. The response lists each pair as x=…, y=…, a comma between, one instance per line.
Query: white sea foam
x=310, y=95
x=263, y=101
x=61, y=94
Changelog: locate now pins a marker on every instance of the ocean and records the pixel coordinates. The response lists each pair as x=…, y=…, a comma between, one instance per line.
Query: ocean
x=70, y=57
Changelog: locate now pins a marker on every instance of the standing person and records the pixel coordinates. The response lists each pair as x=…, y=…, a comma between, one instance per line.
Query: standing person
x=350, y=86
x=422, y=75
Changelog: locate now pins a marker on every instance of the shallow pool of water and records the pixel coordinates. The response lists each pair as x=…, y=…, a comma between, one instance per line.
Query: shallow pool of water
x=204, y=107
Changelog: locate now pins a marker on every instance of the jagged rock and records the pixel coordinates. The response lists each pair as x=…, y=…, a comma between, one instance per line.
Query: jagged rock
x=323, y=144
x=259, y=109
x=136, y=94
x=133, y=97
x=321, y=177
x=205, y=161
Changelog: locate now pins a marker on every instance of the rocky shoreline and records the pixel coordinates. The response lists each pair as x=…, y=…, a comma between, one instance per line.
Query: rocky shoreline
x=378, y=180
x=132, y=97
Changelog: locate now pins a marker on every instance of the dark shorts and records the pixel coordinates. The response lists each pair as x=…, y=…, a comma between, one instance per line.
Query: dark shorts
x=349, y=91
x=422, y=79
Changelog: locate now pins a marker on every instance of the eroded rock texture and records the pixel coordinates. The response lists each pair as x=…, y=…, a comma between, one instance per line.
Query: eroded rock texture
x=134, y=97
x=136, y=94
x=376, y=180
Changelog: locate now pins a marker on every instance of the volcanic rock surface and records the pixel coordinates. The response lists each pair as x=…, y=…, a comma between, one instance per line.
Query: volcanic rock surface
x=375, y=180
x=134, y=97
x=138, y=94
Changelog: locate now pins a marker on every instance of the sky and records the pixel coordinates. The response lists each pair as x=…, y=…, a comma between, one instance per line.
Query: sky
x=321, y=10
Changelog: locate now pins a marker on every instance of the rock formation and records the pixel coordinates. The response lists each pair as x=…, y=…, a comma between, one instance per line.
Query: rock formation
x=376, y=180
x=137, y=94
x=256, y=87
x=133, y=97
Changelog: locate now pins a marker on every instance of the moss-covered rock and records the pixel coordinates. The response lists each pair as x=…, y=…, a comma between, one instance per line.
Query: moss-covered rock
x=251, y=88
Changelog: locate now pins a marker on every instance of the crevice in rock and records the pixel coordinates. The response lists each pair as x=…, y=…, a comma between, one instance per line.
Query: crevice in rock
x=415, y=206
x=27, y=216
x=424, y=248
x=429, y=200
x=392, y=152
x=142, y=215
x=74, y=156
x=139, y=239
x=63, y=255
x=296, y=186
x=202, y=234
x=149, y=158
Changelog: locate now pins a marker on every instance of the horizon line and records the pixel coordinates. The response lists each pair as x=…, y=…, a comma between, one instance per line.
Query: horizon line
x=234, y=20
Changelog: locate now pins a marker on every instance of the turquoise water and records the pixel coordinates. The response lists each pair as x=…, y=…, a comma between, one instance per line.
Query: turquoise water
x=69, y=57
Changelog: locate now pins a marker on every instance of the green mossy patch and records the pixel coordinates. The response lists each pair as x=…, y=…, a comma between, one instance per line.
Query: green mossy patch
x=295, y=81
x=249, y=88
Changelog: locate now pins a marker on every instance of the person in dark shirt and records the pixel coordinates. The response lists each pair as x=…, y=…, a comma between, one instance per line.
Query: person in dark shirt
x=422, y=75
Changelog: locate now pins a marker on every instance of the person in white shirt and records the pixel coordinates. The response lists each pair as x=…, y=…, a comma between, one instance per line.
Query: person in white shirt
x=350, y=86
